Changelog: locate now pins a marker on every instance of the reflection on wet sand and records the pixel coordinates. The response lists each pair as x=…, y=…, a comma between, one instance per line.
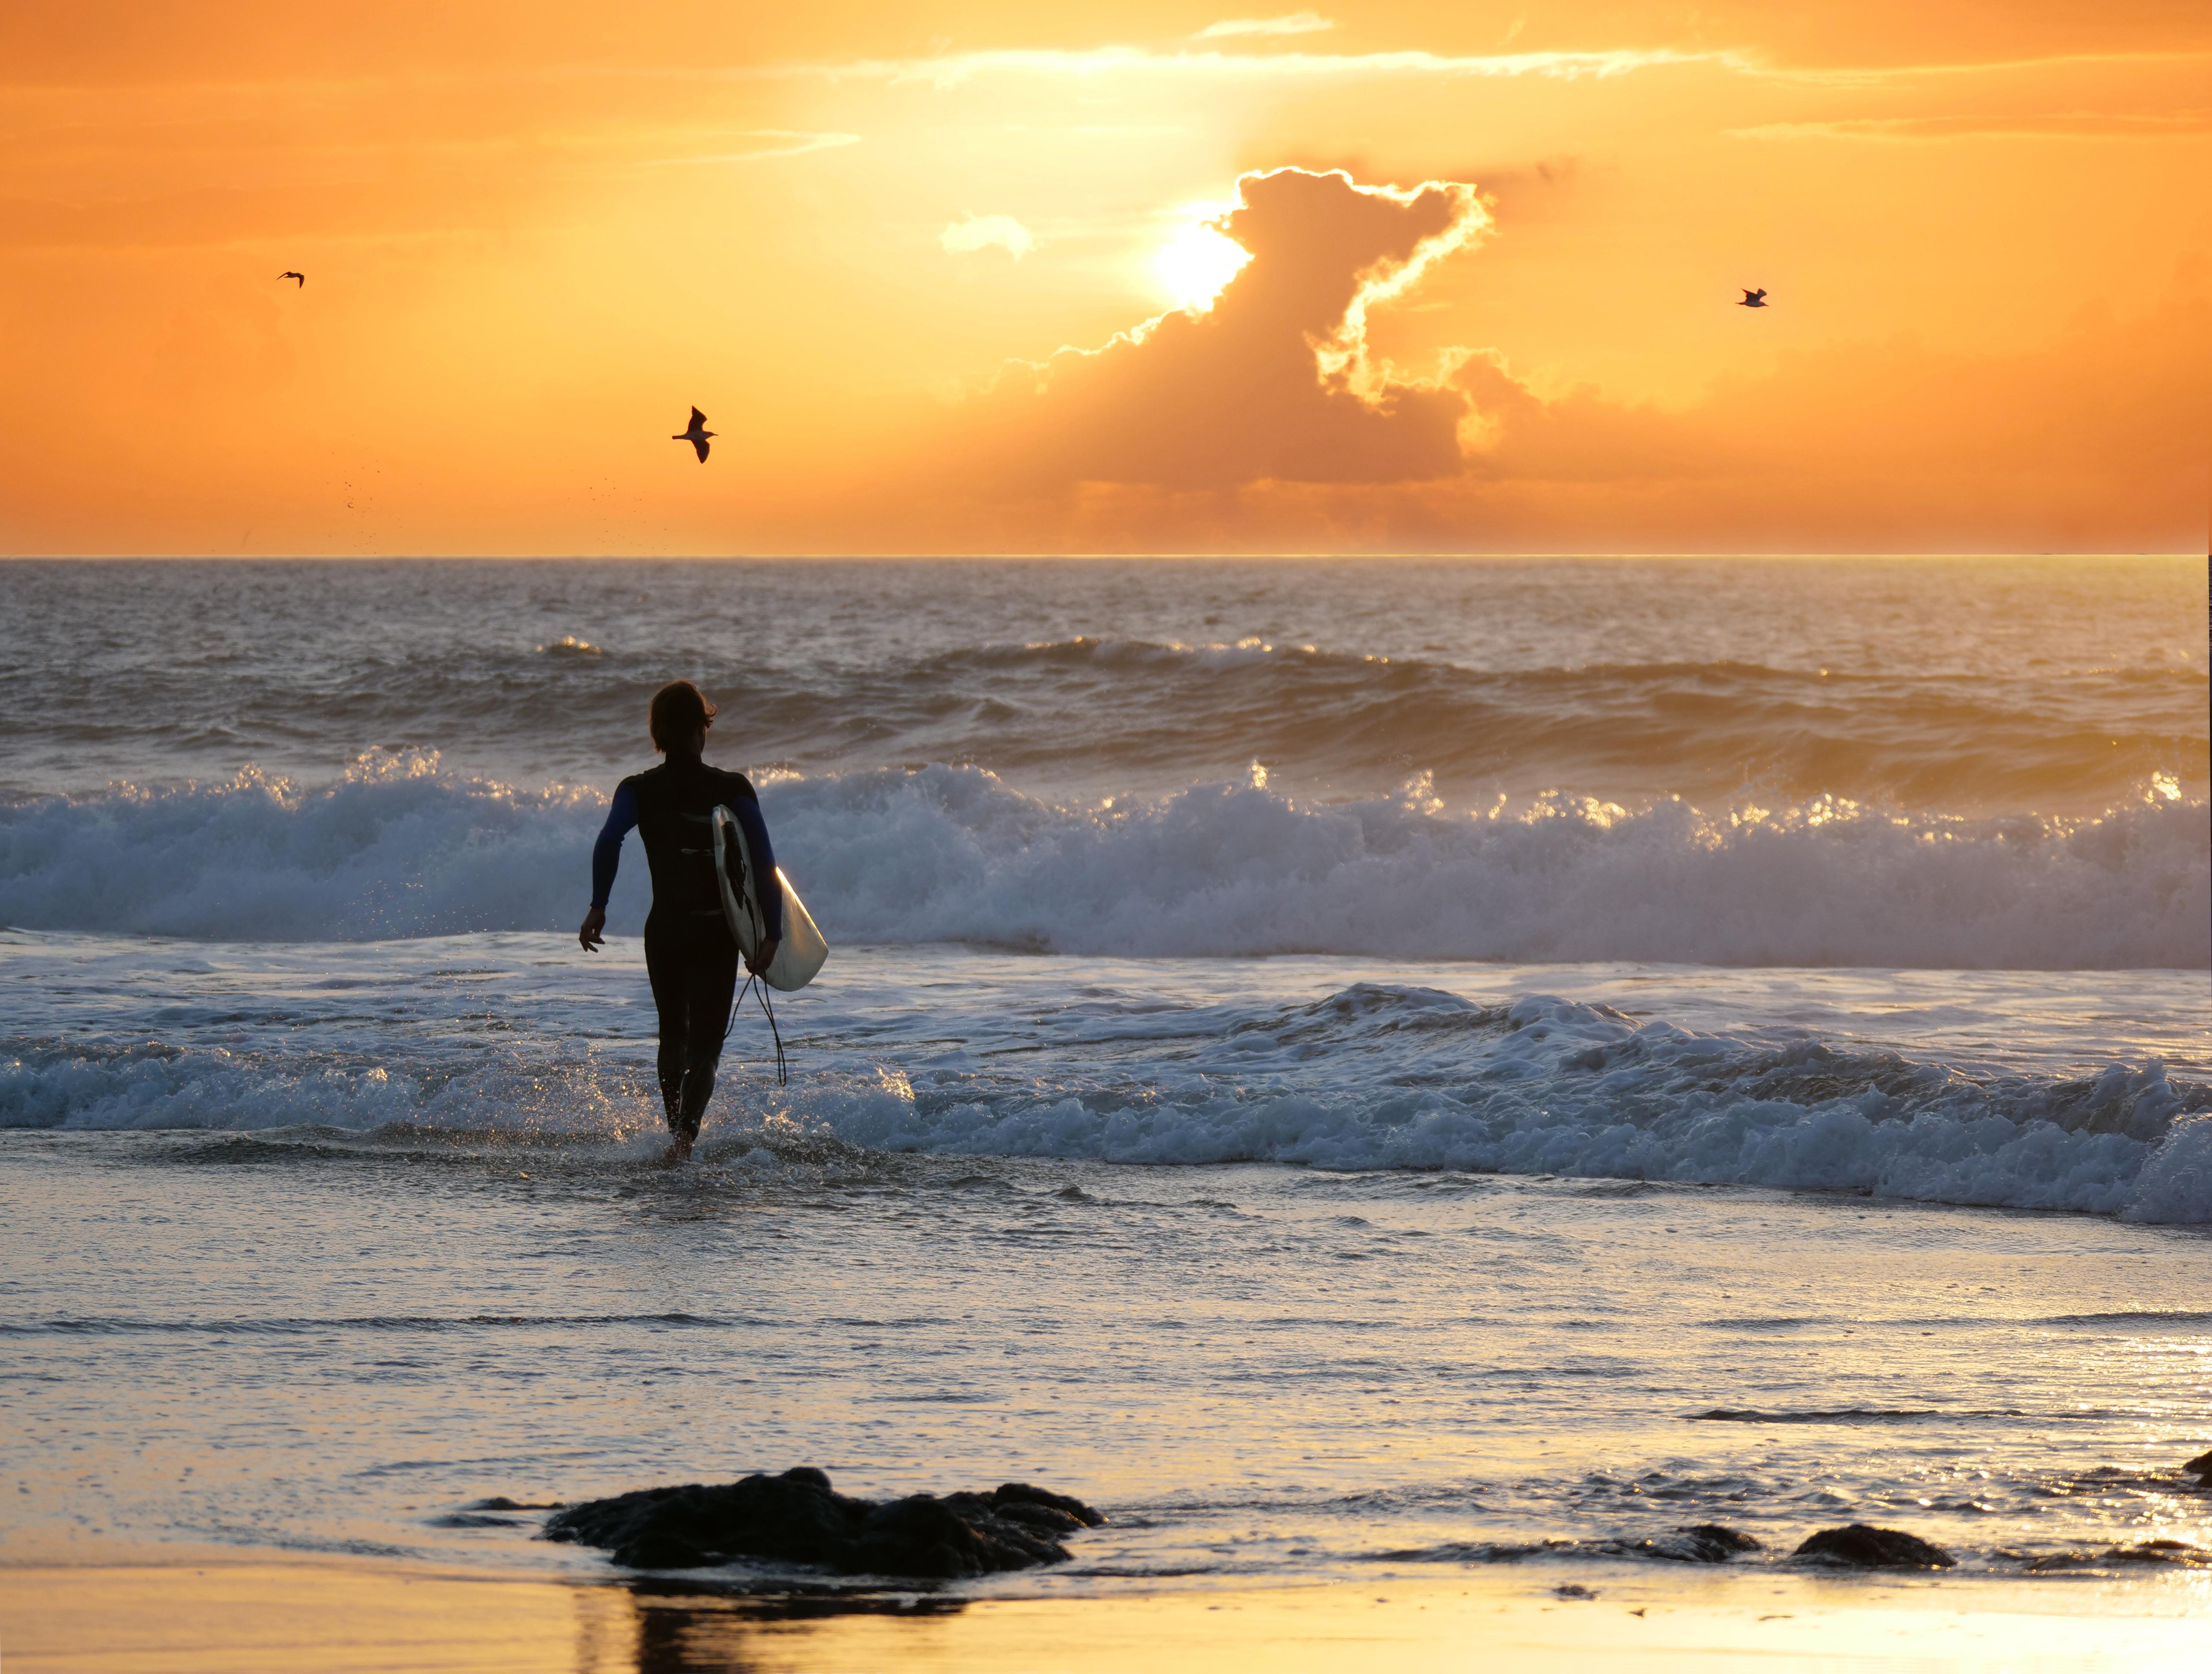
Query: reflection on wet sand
x=679, y=1629
x=178, y=1616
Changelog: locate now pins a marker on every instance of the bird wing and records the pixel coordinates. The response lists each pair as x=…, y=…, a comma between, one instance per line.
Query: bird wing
x=700, y=442
x=698, y=418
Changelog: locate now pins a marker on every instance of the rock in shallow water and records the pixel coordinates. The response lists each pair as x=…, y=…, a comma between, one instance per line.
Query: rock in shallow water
x=1689, y=1543
x=1862, y=1546
x=798, y=1518
x=2201, y=1467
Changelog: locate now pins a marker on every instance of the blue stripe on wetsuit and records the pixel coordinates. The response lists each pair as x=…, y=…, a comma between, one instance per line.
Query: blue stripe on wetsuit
x=621, y=817
x=606, y=853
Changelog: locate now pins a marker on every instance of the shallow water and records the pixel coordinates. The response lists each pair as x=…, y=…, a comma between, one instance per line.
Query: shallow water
x=1582, y=1048
x=332, y=1343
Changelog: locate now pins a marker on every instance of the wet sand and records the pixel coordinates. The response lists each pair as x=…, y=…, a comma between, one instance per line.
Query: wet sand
x=245, y=1618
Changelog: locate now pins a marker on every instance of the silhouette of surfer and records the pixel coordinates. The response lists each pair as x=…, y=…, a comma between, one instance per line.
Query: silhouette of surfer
x=697, y=435
x=691, y=956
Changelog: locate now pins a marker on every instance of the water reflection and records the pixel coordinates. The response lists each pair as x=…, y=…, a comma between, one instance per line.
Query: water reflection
x=664, y=1626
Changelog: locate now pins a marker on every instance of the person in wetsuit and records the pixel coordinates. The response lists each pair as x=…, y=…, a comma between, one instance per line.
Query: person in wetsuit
x=691, y=956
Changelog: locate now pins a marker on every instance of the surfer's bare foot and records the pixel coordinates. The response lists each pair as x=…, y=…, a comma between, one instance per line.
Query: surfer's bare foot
x=677, y=1154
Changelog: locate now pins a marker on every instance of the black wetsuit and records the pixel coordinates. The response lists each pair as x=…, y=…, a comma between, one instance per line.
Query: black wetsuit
x=690, y=958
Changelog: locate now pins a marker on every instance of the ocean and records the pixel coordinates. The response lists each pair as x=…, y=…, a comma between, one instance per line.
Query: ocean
x=1358, y=1069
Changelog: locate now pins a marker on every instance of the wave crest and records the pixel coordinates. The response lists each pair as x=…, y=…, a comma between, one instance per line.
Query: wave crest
x=1376, y=1076
x=398, y=848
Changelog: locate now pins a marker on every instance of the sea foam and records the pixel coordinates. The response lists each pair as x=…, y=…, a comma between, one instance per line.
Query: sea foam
x=398, y=848
x=1376, y=1077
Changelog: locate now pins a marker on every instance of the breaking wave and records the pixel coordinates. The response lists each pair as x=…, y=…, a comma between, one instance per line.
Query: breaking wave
x=1376, y=1077
x=399, y=848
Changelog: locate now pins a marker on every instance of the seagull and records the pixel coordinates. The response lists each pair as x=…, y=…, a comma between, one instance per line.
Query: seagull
x=1754, y=299
x=697, y=435
x=301, y=278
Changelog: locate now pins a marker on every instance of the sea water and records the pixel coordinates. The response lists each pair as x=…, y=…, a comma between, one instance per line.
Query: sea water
x=1357, y=1068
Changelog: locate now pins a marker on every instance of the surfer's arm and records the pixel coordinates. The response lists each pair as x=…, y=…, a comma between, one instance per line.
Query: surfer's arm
x=606, y=853
x=747, y=810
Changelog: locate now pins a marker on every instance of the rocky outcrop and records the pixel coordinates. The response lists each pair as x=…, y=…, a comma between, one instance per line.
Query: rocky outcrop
x=796, y=1518
x=2201, y=1467
x=1689, y=1543
x=2143, y=1551
x=1863, y=1546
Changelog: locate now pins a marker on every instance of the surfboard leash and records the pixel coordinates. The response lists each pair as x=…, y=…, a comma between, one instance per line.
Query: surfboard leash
x=756, y=986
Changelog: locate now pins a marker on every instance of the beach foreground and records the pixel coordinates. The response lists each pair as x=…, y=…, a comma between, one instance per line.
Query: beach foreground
x=179, y=1619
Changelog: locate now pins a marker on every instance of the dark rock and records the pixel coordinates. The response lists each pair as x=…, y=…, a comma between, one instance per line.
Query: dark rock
x=1695, y=1543
x=2159, y=1551
x=1862, y=1546
x=2143, y=1551
x=501, y=1503
x=2201, y=1467
x=1010, y=1497
x=798, y=1518
x=466, y=1519
x=1689, y=1543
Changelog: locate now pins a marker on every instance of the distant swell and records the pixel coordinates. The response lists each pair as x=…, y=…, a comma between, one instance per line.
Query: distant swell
x=399, y=848
x=1846, y=1416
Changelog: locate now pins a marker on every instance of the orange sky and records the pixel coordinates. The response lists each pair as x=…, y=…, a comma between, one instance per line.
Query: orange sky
x=908, y=258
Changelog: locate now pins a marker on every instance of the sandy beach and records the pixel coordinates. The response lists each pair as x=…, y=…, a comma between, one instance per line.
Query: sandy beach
x=224, y=1617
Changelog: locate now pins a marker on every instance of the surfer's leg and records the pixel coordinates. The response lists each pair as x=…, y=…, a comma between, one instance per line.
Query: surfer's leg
x=665, y=968
x=710, y=979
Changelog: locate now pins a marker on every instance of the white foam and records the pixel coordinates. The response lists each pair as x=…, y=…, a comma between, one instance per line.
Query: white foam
x=952, y=854
x=1424, y=1080
x=1376, y=1076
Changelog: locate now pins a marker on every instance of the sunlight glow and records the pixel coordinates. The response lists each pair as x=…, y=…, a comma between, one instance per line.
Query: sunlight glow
x=1197, y=265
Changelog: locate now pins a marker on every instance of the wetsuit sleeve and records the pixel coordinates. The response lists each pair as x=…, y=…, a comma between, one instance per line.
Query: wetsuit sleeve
x=606, y=853
x=747, y=808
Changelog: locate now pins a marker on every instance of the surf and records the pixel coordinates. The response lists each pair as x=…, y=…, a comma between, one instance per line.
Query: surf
x=398, y=847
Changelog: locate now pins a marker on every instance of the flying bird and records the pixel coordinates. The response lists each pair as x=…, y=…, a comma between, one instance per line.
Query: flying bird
x=301, y=278
x=697, y=435
x=1754, y=299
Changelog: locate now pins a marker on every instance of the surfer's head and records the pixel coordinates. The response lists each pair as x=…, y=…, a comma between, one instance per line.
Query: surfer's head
x=679, y=718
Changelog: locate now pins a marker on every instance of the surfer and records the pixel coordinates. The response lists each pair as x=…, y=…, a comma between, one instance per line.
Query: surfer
x=691, y=956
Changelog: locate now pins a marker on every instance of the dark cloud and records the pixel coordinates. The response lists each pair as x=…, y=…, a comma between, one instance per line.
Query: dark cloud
x=1274, y=382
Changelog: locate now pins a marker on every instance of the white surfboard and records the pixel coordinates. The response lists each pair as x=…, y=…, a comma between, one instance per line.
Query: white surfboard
x=802, y=950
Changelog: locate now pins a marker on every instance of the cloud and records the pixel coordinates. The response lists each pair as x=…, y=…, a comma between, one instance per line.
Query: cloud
x=1295, y=23
x=1275, y=380
x=1268, y=423
x=778, y=142
x=951, y=70
x=985, y=233
x=2089, y=443
x=2066, y=125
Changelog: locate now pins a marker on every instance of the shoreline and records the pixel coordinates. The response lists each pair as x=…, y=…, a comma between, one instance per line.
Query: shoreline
x=249, y=1613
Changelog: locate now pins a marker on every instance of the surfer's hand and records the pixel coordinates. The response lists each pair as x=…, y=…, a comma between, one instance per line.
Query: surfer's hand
x=588, y=935
x=764, y=956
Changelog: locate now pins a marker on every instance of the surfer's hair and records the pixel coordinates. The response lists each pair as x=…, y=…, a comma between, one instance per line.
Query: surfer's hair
x=679, y=710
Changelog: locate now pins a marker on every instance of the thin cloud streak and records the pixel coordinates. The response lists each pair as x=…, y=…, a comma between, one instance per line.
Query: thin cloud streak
x=795, y=143
x=1922, y=129
x=1887, y=74
x=1296, y=23
x=952, y=70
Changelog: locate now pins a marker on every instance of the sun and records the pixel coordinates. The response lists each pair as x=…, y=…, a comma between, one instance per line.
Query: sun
x=1197, y=265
